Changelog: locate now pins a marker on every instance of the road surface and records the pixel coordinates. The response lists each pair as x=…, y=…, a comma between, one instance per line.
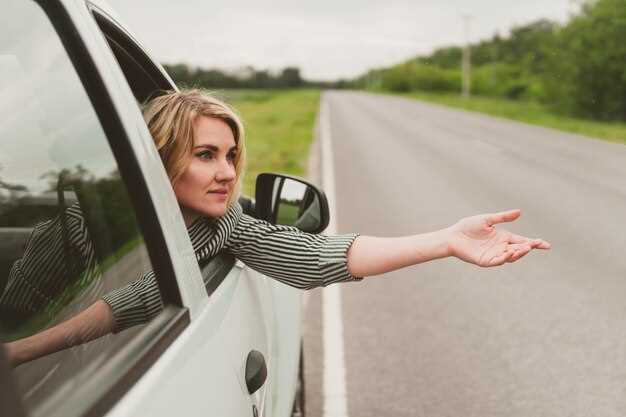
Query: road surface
x=545, y=336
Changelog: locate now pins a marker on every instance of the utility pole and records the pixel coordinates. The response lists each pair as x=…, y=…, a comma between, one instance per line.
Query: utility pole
x=467, y=59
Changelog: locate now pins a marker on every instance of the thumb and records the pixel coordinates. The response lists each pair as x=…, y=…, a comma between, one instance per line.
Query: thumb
x=503, y=216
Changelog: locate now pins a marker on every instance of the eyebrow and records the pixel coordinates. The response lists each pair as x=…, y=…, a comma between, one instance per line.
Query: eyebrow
x=214, y=148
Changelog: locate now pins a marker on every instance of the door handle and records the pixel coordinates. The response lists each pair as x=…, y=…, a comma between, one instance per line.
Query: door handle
x=256, y=371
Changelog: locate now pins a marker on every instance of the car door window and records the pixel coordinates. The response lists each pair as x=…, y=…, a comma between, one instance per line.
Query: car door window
x=68, y=232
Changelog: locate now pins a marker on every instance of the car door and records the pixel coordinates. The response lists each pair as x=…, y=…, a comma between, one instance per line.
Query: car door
x=194, y=356
x=78, y=222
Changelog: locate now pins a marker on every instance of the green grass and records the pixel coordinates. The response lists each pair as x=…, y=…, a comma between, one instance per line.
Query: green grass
x=287, y=213
x=279, y=129
x=528, y=112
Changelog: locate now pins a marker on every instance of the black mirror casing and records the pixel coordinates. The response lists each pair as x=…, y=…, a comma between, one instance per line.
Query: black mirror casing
x=313, y=206
x=247, y=205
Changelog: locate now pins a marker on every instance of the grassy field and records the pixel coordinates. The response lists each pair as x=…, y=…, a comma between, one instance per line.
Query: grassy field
x=279, y=129
x=528, y=112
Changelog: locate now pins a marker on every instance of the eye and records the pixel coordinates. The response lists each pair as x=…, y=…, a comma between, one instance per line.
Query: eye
x=206, y=154
x=232, y=156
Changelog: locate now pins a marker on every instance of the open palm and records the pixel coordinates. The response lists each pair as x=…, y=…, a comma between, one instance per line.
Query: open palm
x=476, y=240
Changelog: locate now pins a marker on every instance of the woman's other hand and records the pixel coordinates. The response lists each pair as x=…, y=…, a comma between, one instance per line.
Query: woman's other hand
x=476, y=240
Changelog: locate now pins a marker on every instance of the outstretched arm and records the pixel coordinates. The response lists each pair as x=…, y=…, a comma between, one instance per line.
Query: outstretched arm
x=91, y=323
x=472, y=239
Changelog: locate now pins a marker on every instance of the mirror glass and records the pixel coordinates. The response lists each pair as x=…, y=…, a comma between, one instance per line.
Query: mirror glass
x=295, y=204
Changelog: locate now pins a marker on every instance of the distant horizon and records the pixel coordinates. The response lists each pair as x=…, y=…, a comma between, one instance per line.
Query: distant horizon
x=327, y=42
x=274, y=72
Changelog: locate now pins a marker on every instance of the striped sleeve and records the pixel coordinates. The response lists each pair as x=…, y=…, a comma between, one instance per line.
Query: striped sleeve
x=296, y=258
x=57, y=254
x=136, y=303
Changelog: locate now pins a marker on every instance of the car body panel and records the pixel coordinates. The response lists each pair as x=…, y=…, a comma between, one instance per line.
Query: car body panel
x=179, y=383
x=287, y=330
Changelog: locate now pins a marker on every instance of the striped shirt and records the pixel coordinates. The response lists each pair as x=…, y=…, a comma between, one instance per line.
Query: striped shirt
x=296, y=258
x=57, y=251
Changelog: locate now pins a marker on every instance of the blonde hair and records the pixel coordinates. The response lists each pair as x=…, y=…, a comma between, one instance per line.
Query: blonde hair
x=170, y=118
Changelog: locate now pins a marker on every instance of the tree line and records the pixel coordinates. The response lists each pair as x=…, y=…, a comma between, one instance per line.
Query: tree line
x=578, y=68
x=247, y=77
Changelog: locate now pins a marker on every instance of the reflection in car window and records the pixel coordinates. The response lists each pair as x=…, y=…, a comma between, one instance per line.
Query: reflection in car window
x=68, y=232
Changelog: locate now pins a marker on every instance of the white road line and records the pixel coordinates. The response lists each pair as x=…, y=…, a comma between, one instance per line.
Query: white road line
x=335, y=394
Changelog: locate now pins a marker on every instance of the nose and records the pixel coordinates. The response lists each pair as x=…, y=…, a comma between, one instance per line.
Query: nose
x=225, y=172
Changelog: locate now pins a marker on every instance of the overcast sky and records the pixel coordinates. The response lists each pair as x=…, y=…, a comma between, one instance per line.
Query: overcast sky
x=325, y=39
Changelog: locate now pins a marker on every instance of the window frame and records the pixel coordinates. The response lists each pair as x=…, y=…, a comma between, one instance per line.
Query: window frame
x=110, y=121
x=126, y=366
x=114, y=32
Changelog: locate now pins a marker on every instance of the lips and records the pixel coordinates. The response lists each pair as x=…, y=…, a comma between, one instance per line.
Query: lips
x=220, y=191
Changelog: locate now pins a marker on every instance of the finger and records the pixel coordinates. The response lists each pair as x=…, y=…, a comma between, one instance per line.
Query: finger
x=517, y=256
x=534, y=243
x=502, y=258
x=503, y=216
x=516, y=247
x=519, y=253
x=540, y=244
x=519, y=239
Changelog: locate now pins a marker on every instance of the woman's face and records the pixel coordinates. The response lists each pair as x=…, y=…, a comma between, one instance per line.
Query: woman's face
x=208, y=181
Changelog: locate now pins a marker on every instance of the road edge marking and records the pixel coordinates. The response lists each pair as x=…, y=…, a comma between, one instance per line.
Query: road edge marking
x=335, y=401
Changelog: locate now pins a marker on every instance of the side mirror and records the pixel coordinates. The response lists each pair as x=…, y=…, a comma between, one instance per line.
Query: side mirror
x=285, y=200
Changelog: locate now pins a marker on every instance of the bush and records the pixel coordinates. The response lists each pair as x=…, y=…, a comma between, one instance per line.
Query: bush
x=430, y=78
x=414, y=76
x=506, y=81
x=579, y=69
x=588, y=76
x=396, y=79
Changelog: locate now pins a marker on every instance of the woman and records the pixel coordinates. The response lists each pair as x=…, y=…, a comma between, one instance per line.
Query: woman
x=201, y=143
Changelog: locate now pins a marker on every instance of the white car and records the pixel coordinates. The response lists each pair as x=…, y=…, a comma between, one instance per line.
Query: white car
x=228, y=342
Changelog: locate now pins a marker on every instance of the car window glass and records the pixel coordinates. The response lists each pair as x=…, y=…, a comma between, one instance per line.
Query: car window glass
x=68, y=232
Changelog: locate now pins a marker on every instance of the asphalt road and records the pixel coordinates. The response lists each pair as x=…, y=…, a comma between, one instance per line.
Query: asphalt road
x=545, y=336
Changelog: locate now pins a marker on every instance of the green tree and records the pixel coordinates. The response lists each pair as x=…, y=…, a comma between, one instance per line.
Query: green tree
x=588, y=69
x=448, y=57
x=290, y=77
x=180, y=73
